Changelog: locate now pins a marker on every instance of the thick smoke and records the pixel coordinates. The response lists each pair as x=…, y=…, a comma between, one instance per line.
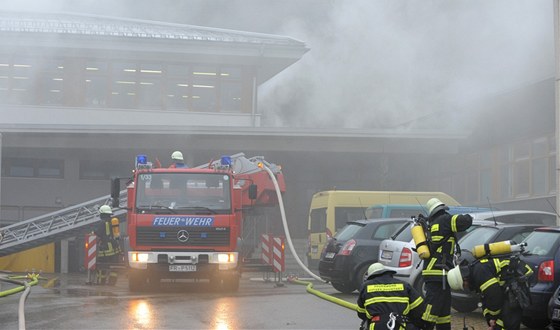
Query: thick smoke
x=372, y=63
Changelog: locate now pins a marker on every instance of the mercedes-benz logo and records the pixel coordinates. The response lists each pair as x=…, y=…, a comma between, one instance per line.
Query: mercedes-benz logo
x=182, y=236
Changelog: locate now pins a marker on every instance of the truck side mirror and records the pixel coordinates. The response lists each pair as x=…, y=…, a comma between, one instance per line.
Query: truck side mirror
x=253, y=191
x=115, y=191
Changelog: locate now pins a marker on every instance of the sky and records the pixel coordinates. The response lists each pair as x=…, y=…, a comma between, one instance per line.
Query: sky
x=372, y=63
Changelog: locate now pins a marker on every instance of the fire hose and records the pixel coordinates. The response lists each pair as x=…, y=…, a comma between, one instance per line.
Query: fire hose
x=309, y=288
x=24, y=286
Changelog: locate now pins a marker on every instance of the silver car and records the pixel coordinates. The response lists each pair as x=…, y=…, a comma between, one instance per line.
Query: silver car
x=397, y=253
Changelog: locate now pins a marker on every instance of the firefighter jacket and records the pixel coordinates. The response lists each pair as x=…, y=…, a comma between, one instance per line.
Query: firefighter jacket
x=108, y=244
x=442, y=230
x=382, y=295
x=490, y=277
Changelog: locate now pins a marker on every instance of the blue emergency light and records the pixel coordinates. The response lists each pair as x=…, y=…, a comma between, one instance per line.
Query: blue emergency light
x=225, y=161
x=141, y=159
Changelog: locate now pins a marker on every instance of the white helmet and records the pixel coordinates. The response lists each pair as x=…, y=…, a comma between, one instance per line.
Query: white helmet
x=376, y=269
x=177, y=155
x=455, y=279
x=434, y=205
x=105, y=209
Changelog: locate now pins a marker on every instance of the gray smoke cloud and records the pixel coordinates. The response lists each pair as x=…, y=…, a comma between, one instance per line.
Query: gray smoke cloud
x=372, y=63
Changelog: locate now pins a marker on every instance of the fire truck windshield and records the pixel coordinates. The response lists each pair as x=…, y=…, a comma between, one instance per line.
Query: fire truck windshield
x=198, y=193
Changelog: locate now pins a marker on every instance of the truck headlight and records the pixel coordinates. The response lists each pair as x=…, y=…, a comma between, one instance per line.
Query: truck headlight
x=225, y=258
x=139, y=257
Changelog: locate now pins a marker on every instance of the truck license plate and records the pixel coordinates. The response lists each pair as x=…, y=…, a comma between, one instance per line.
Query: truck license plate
x=556, y=314
x=182, y=268
x=329, y=255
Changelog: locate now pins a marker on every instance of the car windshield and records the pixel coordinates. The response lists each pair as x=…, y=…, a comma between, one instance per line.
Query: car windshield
x=348, y=231
x=183, y=192
x=542, y=242
x=477, y=236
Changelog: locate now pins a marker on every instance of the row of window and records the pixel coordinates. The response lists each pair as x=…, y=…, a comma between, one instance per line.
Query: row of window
x=104, y=84
x=515, y=171
x=54, y=168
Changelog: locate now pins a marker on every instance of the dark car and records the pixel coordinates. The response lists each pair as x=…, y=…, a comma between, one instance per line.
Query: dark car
x=554, y=310
x=467, y=301
x=543, y=247
x=347, y=255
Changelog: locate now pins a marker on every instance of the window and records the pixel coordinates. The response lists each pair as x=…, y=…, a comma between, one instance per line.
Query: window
x=204, y=91
x=344, y=214
x=318, y=220
x=33, y=168
x=96, y=83
x=102, y=170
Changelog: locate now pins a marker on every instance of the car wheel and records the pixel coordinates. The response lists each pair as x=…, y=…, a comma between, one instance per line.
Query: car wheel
x=359, y=279
x=464, y=306
x=343, y=287
x=535, y=323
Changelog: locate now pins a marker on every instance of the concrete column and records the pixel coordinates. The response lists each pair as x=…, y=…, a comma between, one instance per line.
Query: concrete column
x=64, y=256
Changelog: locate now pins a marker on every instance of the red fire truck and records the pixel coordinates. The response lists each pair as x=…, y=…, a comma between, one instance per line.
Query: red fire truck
x=190, y=222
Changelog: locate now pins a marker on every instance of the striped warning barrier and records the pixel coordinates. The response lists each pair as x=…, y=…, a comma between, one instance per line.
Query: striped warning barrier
x=278, y=254
x=91, y=251
x=266, y=249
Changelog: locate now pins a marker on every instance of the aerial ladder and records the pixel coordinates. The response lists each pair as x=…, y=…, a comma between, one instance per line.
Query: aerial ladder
x=66, y=223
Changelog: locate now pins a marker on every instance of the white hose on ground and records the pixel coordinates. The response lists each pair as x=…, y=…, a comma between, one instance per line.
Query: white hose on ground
x=21, y=309
x=286, y=230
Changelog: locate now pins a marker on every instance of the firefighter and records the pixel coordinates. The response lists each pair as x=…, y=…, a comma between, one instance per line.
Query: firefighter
x=502, y=285
x=109, y=250
x=389, y=303
x=441, y=242
x=177, y=160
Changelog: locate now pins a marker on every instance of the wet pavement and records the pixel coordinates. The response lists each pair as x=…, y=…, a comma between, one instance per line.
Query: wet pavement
x=261, y=303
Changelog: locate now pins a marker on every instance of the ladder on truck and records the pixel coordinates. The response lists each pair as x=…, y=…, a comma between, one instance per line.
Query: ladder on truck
x=66, y=223
x=244, y=165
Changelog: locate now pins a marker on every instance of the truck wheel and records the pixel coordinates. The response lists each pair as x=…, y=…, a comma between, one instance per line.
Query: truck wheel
x=136, y=281
x=231, y=283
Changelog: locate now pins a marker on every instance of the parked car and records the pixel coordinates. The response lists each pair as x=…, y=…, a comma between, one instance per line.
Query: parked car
x=397, y=253
x=467, y=302
x=543, y=247
x=554, y=309
x=347, y=256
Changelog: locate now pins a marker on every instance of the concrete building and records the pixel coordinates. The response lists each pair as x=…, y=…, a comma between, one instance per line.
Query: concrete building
x=81, y=95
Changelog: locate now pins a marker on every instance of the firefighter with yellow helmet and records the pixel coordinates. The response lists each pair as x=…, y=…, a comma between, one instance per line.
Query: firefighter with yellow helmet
x=109, y=251
x=501, y=282
x=441, y=241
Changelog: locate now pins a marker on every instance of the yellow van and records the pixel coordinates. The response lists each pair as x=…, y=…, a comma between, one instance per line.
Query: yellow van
x=330, y=210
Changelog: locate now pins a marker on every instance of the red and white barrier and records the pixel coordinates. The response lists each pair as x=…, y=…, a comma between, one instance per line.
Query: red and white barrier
x=273, y=252
x=91, y=251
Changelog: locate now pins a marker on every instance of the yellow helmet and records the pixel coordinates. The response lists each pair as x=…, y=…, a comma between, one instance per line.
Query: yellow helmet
x=177, y=155
x=435, y=205
x=455, y=279
x=377, y=269
x=105, y=209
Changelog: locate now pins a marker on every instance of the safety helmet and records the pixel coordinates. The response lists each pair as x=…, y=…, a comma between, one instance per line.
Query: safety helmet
x=376, y=269
x=434, y=205
x=177, y=155
x=105, y=209
x=455, y=278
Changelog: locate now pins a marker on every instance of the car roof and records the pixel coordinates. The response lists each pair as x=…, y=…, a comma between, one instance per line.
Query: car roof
x=366, y=221
x=492, y=214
